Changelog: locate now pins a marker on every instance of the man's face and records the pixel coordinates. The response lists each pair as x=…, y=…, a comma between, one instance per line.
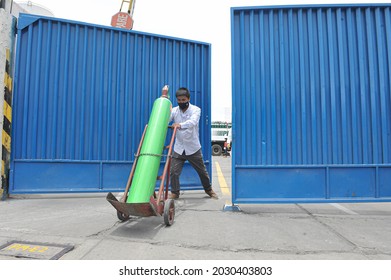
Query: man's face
x=182, y=99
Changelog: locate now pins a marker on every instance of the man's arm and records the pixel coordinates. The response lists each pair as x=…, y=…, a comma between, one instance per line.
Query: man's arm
x=194, y=119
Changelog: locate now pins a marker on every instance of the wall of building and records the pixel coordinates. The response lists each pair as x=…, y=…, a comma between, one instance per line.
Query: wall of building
x=7, y=31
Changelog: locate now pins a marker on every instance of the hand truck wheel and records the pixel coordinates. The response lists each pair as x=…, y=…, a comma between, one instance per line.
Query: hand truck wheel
x=121, y=216
x=169, y=212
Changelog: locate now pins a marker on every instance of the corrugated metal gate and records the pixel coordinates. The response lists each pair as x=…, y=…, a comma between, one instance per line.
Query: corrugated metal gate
x=312, y=95
x=83, y=94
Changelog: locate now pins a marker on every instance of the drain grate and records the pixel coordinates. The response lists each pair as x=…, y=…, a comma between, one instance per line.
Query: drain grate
x=34, y=250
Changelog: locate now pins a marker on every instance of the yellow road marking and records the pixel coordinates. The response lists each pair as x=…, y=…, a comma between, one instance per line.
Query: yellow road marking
x=223, y=184
x=24, y=247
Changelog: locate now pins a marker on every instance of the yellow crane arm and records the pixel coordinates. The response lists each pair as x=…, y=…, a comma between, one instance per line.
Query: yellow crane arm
x=130, y=7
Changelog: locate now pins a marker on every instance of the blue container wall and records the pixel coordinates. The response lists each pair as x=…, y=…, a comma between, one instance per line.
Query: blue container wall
x=83, y=94
x=312, y=116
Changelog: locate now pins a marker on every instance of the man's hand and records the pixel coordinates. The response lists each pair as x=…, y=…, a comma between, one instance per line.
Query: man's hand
x=177, y=125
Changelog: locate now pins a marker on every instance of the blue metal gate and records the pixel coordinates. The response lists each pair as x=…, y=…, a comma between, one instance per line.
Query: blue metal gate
x=83, y=94
x=312, y=95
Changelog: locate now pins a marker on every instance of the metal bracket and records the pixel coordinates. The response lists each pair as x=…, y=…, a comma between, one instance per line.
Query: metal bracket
x=232, y=208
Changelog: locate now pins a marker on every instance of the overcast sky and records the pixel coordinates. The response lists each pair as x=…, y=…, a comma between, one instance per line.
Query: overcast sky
x=201, y=20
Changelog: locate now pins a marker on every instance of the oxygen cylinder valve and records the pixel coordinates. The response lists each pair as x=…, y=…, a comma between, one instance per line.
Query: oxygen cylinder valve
x=165, y=92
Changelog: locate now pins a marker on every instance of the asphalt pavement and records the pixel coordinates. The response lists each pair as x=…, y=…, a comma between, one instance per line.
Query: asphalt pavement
x=86, y=227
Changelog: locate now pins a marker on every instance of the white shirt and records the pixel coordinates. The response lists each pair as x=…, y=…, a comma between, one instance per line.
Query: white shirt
x=187, y=137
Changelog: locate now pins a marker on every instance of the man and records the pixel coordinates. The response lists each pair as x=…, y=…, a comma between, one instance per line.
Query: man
x=187, y=143
x=225, y=154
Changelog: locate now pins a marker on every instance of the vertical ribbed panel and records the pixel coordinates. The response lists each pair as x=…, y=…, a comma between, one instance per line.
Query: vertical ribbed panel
x=83, y=93
x=312, y=95
x=311, y=86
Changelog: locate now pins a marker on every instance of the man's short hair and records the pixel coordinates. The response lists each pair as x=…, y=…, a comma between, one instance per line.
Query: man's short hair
x=182, y=92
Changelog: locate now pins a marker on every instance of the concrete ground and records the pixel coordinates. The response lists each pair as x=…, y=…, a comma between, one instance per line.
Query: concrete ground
x=88, y=224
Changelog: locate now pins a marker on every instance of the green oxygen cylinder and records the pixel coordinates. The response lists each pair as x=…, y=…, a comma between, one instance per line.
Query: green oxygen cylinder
x=148, y=163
